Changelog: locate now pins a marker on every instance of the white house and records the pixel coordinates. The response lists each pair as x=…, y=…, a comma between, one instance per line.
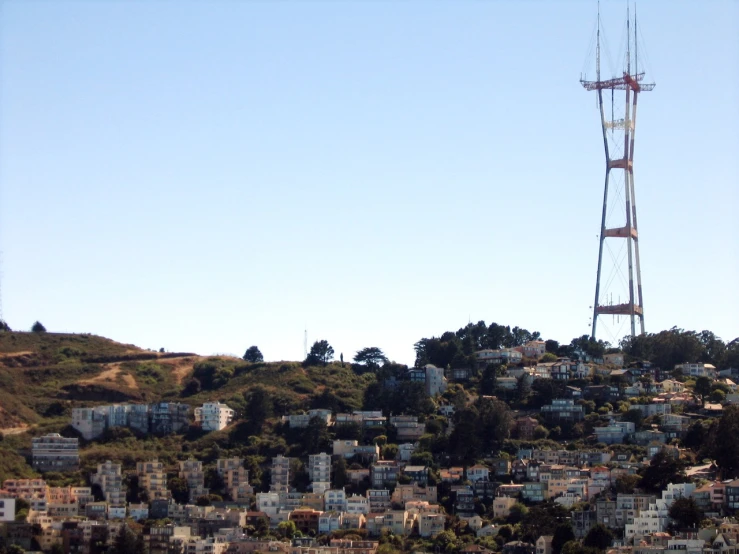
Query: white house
x=213, y=416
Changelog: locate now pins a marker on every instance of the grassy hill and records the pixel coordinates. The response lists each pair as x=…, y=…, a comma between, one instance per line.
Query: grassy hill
x=43, y=376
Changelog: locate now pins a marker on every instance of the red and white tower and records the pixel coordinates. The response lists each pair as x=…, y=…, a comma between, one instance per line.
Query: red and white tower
x=616, y=294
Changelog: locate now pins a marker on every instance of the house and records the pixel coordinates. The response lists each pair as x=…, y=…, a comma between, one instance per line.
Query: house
x=502, y=356
x=544, y=544
x=478, y=473
x=533, y=349
x=563, y=409
x=488, y=531
x=518, y=547
x=213, y=416
x=615, y=432
x=500, y=466
x=524, y=427
x=697, y=370
x=474, y=549
x=502, y=506
x=615, y=359
x=384, y=472
x=430, y=524
x=52, y=452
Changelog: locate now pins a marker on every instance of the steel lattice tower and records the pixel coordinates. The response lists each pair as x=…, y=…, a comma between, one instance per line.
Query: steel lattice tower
x=621, y=202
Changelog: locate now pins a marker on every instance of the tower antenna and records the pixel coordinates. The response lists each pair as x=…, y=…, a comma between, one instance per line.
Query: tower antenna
x=305, y=343
x=624, y=200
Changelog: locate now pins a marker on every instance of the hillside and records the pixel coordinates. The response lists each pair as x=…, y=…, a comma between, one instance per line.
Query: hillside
x=43, y=376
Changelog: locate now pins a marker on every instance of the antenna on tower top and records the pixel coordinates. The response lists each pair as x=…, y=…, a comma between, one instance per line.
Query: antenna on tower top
x=628, y=41
x=597, y=48
x=305, y=343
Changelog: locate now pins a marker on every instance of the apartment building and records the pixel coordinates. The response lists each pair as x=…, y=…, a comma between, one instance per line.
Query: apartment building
x=236, y=478
x=192, y=472
x=280, y=474
x=213, y=416
x=110, y=480
x=153, y=479
x=53, y=452
x=319, y=471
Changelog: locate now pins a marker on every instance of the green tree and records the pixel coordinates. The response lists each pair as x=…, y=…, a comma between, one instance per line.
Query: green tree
x=339, y=477
x=685, y=512
x=722, y=443
x=259, y=407
x=562, y=534
x=179, y=489
x=599, y=537
x=489, y=379
x=4, y=326
x=287, y=529
x=126, y=542
x=38, y=327
x=321, y=352
x=702, y=388
x=371, y=357
x=253, y=355
x=315, y=437
x=517, y=512
x=625, y=484
x=662, y=469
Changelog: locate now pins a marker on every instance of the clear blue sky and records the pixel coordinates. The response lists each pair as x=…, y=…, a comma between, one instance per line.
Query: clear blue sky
x=205, y=176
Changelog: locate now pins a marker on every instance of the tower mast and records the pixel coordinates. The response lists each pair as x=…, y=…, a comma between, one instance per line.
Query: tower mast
x=617, y=130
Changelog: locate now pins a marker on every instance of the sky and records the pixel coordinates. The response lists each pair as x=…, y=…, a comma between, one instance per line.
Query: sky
x=205, y=176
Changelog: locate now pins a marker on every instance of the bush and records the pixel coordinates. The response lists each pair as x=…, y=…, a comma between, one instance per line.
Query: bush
x=38, y=327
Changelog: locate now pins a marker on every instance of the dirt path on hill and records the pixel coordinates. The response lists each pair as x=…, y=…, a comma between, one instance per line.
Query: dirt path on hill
x=110, y=375
x=16, y=430
x=15, y=354
x=180, y=367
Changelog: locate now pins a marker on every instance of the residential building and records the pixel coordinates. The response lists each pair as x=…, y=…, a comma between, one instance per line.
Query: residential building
x=236, y=478
x=697, y=370
x=280, y=474
x=430, y=524
x=502, y=356
x=167, y=418
x=544, y=544
x=7, y=509
x=533, y=349
x=334, y=500
x=319, y=471
x=732, y=495
x=192, y=472
x=153, y=479
x=524, y=427
x=89, y=422
x=53, y=452
x=502, y=506
x=383, y=472
x=379, y=500
x=108, y=477
x=563, y=409
x=615, y=432
x=213, y=416
x=356, y=504
x=435, y=381
x=417, y=474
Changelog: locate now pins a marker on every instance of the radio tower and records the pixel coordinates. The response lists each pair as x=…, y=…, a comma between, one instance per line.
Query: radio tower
x=618, y=223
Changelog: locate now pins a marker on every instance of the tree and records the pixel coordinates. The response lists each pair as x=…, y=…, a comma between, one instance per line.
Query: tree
x=253, y=355
x=4, y=326
x=339, y=476
x=489, y=379
x=685, y=512
x=287, y=529
x=180, y=489
x=371, y=356
x=38, y=327
x=259, y=407
x=321, y=352
x=702, y=388
x=562, y=534
x=126, y=542
x=551, y=346
x=662, y=469
x=722, y=443
x=599, y=537
x=625, y=484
